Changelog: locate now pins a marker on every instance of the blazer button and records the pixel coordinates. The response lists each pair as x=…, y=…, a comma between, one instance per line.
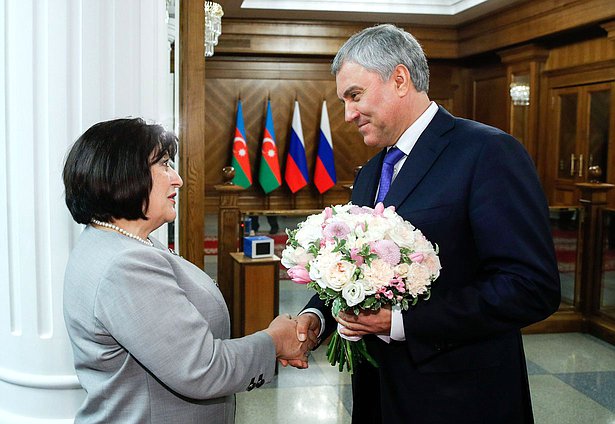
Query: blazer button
x=260, y=381
x=251, y=385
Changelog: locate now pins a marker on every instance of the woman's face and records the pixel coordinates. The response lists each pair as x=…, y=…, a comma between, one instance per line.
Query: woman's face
x=162, y=198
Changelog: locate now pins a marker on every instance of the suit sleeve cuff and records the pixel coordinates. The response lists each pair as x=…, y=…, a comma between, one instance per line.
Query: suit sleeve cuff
x=320, y=317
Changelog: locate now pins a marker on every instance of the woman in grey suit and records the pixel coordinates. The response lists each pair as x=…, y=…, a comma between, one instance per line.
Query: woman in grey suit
x=149, y=330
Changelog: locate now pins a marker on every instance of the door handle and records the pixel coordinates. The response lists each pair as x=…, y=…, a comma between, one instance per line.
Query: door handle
x=572, y=165
x=580, y=165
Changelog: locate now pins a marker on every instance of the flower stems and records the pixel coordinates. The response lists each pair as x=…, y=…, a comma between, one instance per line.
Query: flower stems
x=343, y=352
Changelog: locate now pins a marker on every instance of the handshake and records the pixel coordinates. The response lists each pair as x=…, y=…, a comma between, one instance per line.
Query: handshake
x=294, y=338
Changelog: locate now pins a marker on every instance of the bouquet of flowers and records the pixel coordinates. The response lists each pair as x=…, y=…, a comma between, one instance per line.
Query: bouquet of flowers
x=360, y=258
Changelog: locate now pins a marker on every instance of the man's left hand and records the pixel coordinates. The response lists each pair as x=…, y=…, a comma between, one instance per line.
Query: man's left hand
x=367, y=322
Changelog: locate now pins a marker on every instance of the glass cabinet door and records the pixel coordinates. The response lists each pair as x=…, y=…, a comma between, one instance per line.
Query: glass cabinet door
x=598, y=131
x=567, y=134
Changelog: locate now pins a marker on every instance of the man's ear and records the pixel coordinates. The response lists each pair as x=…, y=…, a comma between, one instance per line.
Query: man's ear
x=402, y=80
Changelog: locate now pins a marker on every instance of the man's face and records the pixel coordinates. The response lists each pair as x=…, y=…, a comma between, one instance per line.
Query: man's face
x=372, y=104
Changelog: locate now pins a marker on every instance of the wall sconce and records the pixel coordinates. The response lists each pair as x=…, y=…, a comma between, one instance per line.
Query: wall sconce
x=213, y=26
x=520, y=93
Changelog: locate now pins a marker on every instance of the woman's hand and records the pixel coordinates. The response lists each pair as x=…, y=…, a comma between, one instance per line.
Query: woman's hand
x=283, y=331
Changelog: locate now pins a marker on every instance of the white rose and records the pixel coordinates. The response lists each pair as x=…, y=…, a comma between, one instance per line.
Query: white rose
x=338, y=274
x=402, y=270
x=353, y=293
x=390, y=214
x=377, y=227
x=432, y=262
x=295, y=256
x=342, y=209
x=403, y=234
x=321, y=264
x=310, y=230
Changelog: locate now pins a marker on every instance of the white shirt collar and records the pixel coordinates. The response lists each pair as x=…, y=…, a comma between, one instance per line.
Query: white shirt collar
x=409, y=137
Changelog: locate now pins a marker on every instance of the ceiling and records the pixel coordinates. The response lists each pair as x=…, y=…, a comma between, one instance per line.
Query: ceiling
x=427, y=12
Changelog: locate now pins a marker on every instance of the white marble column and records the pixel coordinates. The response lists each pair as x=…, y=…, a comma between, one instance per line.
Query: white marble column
x=65, y=64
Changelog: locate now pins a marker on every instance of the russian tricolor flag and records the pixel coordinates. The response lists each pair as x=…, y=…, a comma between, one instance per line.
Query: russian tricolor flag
x=324, y=172
x=296, y=172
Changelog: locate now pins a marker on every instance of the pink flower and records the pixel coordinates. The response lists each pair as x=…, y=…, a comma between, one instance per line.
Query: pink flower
x=354, y=255
x=387, y=250
x=336, y=229
x=358, y=210
x=299, y=274
x=417, y=257
x=378, y=209
x=328, y=213
x=388, y=294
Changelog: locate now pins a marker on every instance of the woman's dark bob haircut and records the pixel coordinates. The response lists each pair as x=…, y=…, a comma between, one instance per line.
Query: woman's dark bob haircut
x=107, y=172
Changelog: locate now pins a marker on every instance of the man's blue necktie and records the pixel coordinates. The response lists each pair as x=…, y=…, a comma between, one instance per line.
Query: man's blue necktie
x=391, y=158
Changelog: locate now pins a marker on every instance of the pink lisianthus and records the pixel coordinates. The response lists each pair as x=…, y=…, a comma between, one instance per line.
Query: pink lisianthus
x=384, y=291
x=378, y=209
x=387, y=250
x=299, y=274
x=336, y=229
x=328, y=213
x=354, y=255
x=417, y=257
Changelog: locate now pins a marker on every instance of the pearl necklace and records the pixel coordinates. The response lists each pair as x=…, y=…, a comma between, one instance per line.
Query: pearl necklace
x=147, y=242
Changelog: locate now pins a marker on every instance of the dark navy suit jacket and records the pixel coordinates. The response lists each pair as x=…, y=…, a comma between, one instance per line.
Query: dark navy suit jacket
x=473, y=190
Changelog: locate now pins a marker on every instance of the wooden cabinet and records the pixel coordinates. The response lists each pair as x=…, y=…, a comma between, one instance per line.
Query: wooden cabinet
x=581, y=129
x=255, y=293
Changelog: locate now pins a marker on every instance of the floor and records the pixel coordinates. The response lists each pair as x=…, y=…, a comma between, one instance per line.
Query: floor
x=572, y=378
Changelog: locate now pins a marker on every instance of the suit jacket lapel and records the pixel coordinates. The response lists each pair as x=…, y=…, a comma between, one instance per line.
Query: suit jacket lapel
x=427, y=149
x=366, y=183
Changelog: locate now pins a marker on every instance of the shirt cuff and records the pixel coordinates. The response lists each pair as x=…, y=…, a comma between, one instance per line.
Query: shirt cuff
x=397, y=324
x=320, y=317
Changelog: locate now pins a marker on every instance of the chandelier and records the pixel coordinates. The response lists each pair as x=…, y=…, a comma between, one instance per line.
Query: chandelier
x=520, y=93
x=213, y=26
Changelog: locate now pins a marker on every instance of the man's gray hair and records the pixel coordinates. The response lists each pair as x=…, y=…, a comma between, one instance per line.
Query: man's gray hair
x=380, y=49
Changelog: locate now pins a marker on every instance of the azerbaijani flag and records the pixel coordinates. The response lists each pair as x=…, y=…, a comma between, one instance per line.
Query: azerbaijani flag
x=241, y=159
x=269, y=170
x=296, y=172
x=324, y=172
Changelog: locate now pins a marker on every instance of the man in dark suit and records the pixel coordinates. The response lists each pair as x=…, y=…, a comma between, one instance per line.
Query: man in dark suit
x=473, y=190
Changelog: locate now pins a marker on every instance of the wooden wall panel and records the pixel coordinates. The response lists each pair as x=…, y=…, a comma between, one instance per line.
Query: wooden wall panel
x=581, y=53
x=531, y=20
x=264, y=37
x=490, y=102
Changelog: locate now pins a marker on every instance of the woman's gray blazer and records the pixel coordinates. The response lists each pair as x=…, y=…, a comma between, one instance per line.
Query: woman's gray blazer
x=150, y=336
